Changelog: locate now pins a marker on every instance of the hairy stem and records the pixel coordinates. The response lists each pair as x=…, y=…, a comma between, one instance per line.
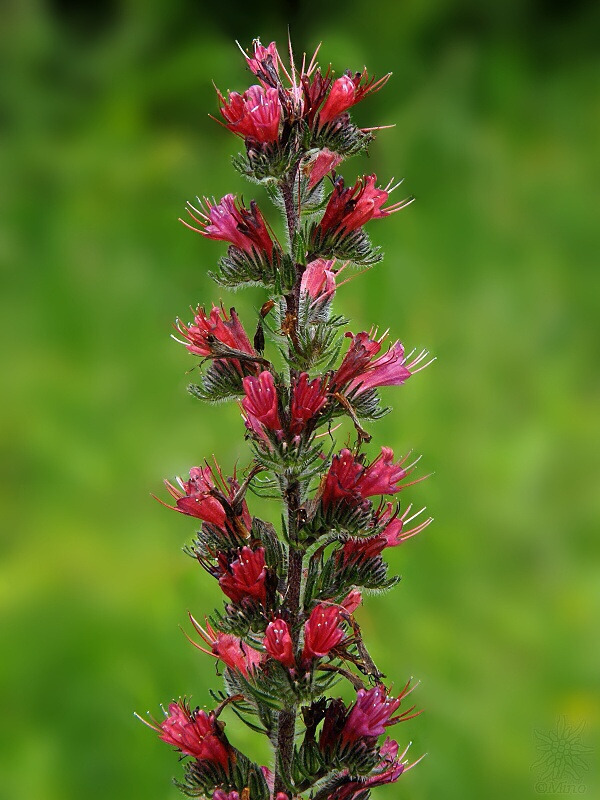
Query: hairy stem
x=291, y=212
x=286, y=729
x=287, y=719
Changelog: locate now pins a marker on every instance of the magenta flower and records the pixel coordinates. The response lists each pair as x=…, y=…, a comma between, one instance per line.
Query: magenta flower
x=382, y=476
x=394, y=532
x=195, y=733
x=219, y=794
x=229, y=221
x=201, y=335
x=390, y=369
x=354, y=789
x=349, y=480
x=314, y=91
x=265, y=63
x=372, y=712
x=357, y=550
x=388, y=770
x=357, y=359
x=278, y=643
x=245, y=577
x=195, y=499
x=318, y=280
x=322, y=632
x=346, y=91
x=351, y=208
x=341, y=480
x=261, y=401
x=232, y=651
x=253, y=115
x=308, y=398
x=321, y=165
x=254, y=426
x=352, y=601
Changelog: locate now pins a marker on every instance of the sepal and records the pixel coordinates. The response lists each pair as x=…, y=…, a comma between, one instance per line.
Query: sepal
x=268, y=162
x=220, y=382
x=319, y=342
x=340, y=520
x=271, y=687
x=329, y=578
x=354, y=246
x=240, y=268
x=243, y=709
x=366, y=405
x=301, y=460
x=248, y=706
x=202, y=778
x=274, y=553
x=211, y=538
x=340, y=136
x=308, y=764
x=239, y=620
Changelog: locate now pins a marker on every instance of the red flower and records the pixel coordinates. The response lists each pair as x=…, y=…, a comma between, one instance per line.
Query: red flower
x=278, y=643
x=390, y=369
x=354, y=789
x=342, y=478
x=382, y=475
x=320, y=165
x=357, y=359
x=314, y=92
x=351, y=208
x=195, y=499
x=394, y=533
x=372, y=712
x=349, y=480
x=322, y=632
x=201, y=335
x=261, y=400
x=346, y=91
x=245, y=577
x=318, y=280
x=253, y=425
x=195, y=733
x=265, y=63
x=352, y=601
x=254, y=114
x=307, y=400
x=231, y=650
x=355, y=550
x=229, y=221
x=219, y=794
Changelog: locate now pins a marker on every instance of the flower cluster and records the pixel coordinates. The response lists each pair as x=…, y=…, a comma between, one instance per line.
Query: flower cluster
x=287, y=630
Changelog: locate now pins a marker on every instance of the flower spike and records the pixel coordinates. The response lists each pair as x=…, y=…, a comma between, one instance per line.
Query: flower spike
x=287, y=628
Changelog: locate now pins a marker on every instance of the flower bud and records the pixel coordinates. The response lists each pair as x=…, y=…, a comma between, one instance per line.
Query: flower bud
x=278, y=643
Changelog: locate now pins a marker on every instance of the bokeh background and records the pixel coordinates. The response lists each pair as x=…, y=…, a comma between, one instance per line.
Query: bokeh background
x=104, y=136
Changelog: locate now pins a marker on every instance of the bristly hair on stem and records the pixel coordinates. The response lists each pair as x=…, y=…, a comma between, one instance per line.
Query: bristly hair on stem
x=287, y=633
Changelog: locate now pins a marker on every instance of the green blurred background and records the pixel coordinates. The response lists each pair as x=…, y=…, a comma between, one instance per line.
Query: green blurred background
x=105, y=135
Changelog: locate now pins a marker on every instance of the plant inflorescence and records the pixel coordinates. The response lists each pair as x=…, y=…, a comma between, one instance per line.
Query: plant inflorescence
x=287, y=632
